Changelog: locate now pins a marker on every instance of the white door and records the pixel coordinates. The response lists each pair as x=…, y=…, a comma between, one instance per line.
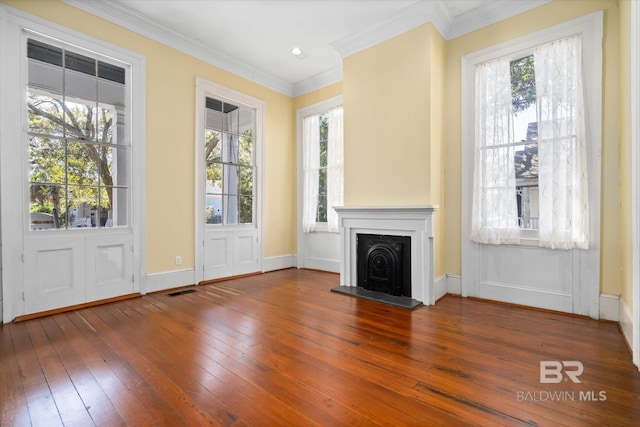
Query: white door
x=228, y=144
x=70, y=211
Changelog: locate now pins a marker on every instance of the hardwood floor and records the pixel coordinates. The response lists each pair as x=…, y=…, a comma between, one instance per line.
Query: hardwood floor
x=281, y=349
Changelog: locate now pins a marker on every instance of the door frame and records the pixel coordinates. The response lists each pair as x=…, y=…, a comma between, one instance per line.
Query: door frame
x=586, y=263
x=204, y=87
x=12, y=122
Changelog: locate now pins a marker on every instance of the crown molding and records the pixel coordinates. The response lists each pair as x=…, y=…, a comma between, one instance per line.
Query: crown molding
x=318, y=81
x=133, y=20
x=489, y=13
x=413, y=16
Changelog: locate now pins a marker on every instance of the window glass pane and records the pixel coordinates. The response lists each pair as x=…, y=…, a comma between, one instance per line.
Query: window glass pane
x=106, y=123
x=247, y=121
x=322, y=208
x=245, y=148
x=212, y=145
x=81, y=166
x=525, y=129
x=113, y=166
x=113, y=207
x=324, y=138
x=46, y=160
x=231, y=120
x=231, y=212
x=82, y=202
x=46, y=205
x=45, y=114
x=80, y=120
x=245, y=207
x=245, y=180
x=214, y=179
x=230, y=179
x=230, y=148
x=213, y=209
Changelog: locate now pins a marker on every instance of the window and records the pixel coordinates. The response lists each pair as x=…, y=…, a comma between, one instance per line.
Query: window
x=322, y=169
x=230, y=162
x=79, y=149
x=530, y=148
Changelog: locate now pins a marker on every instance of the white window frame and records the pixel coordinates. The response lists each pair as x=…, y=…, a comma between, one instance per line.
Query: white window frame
x=590, y=26
x=13, y=105
x=319, y=108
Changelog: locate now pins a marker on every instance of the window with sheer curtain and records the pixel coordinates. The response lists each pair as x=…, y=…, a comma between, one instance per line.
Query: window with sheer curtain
x=530, y=168
x=322, y=169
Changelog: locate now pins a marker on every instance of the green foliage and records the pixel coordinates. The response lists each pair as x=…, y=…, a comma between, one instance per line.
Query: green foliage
x=70, y=158
x=523, y=83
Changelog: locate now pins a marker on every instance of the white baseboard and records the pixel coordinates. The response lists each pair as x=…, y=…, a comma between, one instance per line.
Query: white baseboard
x=331, y=265
x=440, y=287
x=610, y=307
x=279, y=262
x=1, y=311
x=626, y=323
x=454, y=284
x=169, y=280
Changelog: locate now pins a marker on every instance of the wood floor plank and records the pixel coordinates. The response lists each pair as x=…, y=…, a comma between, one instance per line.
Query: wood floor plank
x=281, y=349
x=13, y=404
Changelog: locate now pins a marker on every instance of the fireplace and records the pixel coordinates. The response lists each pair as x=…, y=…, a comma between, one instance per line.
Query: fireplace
x=384, y=263
x=414, y=223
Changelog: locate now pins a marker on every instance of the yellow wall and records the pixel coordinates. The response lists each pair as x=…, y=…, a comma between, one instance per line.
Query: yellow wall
x=626, y=241
x=171, y=134
x=537, y=19
x=386, y=122
x=392, y=126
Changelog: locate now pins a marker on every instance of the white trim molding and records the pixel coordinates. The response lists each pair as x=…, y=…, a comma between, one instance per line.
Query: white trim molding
x=610, y=307
x=278, y=262
x=440, y=287
x=413, y=221
x=454, y=284
x=626, y=323
x=169, y=280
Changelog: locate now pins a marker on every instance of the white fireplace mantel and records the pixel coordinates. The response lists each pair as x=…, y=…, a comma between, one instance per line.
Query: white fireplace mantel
x=413, y=221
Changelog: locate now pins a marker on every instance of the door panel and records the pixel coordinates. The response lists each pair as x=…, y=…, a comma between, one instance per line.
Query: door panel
x=109, y=266
x=217, y=254
x=54, y=273
x=230, y=253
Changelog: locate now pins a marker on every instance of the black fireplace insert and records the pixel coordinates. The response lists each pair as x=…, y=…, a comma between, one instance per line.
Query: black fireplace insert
x=384, y=263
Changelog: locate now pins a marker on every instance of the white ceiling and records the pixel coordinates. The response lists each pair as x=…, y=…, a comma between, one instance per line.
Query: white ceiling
x=254, y=38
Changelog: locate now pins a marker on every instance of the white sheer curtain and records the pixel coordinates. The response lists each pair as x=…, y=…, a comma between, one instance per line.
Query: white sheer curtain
x=562, y=167
x=311, y=171
x=494, y=213
x=335, y=163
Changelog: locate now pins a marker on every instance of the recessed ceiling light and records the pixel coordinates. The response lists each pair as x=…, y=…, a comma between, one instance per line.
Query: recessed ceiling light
x=298, y=53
